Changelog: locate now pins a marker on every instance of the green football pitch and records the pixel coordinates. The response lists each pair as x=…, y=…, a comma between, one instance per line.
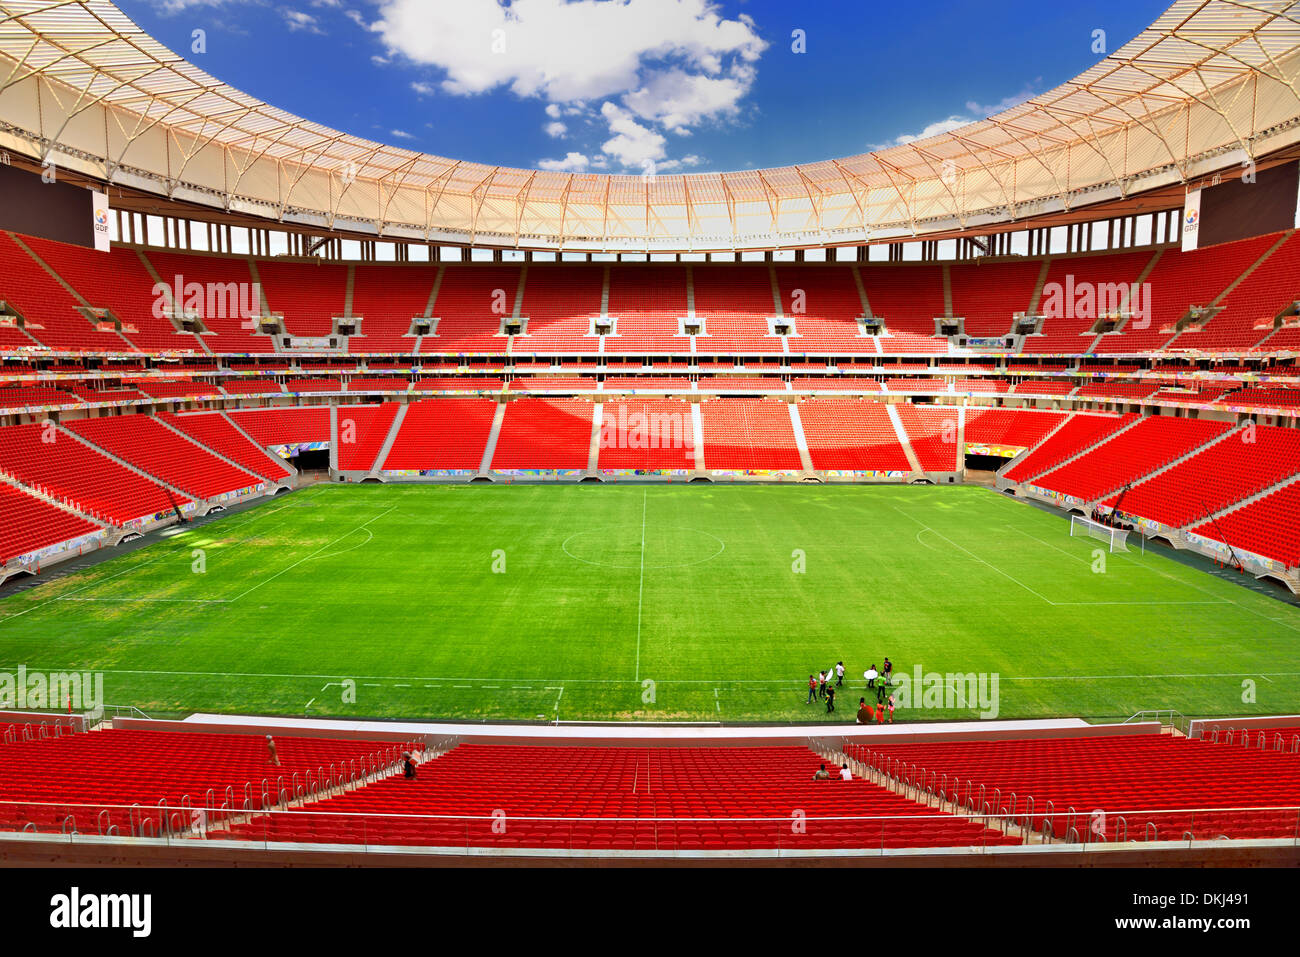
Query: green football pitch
x=649, y=603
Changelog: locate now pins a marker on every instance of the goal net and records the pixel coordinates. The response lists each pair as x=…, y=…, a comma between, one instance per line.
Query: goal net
x=1115, y=538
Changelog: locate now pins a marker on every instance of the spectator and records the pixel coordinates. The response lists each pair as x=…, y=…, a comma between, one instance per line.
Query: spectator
x=822, y=774
x=408, y=765
x=864, y=712
x=273, y=757
x=845, y=774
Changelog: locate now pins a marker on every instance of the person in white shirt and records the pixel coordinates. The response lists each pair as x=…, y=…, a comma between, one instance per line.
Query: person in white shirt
x=845, y=774
x=871, y=675
x=839, y=674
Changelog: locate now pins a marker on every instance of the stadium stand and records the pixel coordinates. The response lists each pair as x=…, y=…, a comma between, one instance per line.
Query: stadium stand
x=1077, y=434
x=155, y=449
x=621, y=798
x=748, y=434
x=1268, y=526
x=544, y=434
x=285, y=426
x=80, y=475
x=933, y=435
x=1129, y=777
x=28, y=523
x=90, y=781
x=362, y=431
x=646, y=435
x=214, y=430
x=1149, y=445
x=442, y=434
x=851, y=435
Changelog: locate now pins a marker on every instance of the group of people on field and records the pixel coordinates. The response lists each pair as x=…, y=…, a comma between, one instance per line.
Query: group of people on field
x=822, y=685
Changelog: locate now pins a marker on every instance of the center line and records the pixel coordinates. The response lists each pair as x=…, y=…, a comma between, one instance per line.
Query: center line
x=640, y=593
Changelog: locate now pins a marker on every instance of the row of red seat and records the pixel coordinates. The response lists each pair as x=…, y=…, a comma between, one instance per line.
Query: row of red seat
x=732, y=302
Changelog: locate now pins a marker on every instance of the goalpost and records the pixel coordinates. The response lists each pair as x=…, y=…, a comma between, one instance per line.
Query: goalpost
x=1116, y=538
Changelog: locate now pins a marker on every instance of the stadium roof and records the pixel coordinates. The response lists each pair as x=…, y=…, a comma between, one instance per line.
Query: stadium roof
x=1211, y=83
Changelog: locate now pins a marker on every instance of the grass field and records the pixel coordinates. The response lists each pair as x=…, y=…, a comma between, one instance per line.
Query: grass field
x=528, y=602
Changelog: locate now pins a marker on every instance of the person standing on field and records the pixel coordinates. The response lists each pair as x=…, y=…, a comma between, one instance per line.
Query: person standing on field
x=839, y=674
x=812, y=688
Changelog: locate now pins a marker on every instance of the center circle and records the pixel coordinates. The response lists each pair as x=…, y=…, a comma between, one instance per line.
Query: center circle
x=637, y=546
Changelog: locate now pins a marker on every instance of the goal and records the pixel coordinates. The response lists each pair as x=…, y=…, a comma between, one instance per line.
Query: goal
x=1116, y=538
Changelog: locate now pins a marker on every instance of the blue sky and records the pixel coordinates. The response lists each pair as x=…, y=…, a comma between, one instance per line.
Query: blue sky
x=630, y=85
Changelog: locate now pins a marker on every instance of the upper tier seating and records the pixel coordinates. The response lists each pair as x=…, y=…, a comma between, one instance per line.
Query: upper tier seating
x=851, y=435
x=28, y=523
x=647, y=301
x=309, y=295
x=646, y=434
x=544, y=434
x=229, y=328
x=986, y=295
x=471, y=302
x=1123, y=775
x=1081, y=431
x=622, y=798
x=70, y=470
x=153, y=448
x=560, y=302
x=1069, y=318
x=1150, y=445
x=908, y=299
x=442, y=434
x=734, y=302
x=120, y=283
x=748, y=434
x=831, y=305
x=1226, y=472
x=387, y=297
x=43, y=302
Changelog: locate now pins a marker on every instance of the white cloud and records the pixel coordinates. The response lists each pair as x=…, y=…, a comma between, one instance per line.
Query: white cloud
x=401, y=134
x=572, y=163
x=643, y=67
x=974, y=112
x=298, y=20
x=424, y=89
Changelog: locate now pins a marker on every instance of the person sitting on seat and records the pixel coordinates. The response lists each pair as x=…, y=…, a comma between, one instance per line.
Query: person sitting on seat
x=822, y=774
x=845, y=773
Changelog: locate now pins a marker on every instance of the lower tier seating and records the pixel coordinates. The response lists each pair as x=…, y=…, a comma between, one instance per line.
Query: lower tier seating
x=1127, y=776
x=622, y=798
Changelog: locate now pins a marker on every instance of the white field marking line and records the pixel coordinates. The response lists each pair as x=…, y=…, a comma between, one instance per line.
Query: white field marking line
x=716, y=703
x=972, y=555
x=640, y=593
x=134, y=568
x=282, y=571
x=98, y=581
x=601, y=681
x=228, y=601
x=1231, y=601
x=557, y=699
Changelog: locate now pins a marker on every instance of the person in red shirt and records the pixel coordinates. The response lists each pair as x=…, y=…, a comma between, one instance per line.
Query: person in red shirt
x=865, y=713
x=812, y=688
